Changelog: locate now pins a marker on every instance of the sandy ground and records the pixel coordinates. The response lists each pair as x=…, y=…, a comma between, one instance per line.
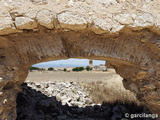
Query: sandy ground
x=86, y=77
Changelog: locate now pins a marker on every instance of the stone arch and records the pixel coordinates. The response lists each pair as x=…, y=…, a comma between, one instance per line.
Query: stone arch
x=133, y=59
x=128, y=37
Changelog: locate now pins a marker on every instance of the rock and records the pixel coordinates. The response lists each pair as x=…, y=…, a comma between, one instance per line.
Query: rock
x=68, y=93
x=4, y=101
x=25, y=23
x=143, y=17
x=88, y=101
x=124, y=18
x=7, y=25
x=68, y=20
x=46, y=18
x=87, y=12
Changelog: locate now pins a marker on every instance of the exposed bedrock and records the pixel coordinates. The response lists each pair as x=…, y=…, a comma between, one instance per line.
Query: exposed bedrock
x=126, y=33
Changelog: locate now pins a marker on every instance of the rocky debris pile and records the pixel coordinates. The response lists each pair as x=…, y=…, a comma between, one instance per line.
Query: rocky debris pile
x=34, y=105
x=69, y=93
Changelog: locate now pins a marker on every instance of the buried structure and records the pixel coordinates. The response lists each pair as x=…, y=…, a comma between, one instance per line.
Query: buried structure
x=123, y=32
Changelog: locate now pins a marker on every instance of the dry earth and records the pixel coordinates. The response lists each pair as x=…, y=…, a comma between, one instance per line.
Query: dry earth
x=93, y=76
